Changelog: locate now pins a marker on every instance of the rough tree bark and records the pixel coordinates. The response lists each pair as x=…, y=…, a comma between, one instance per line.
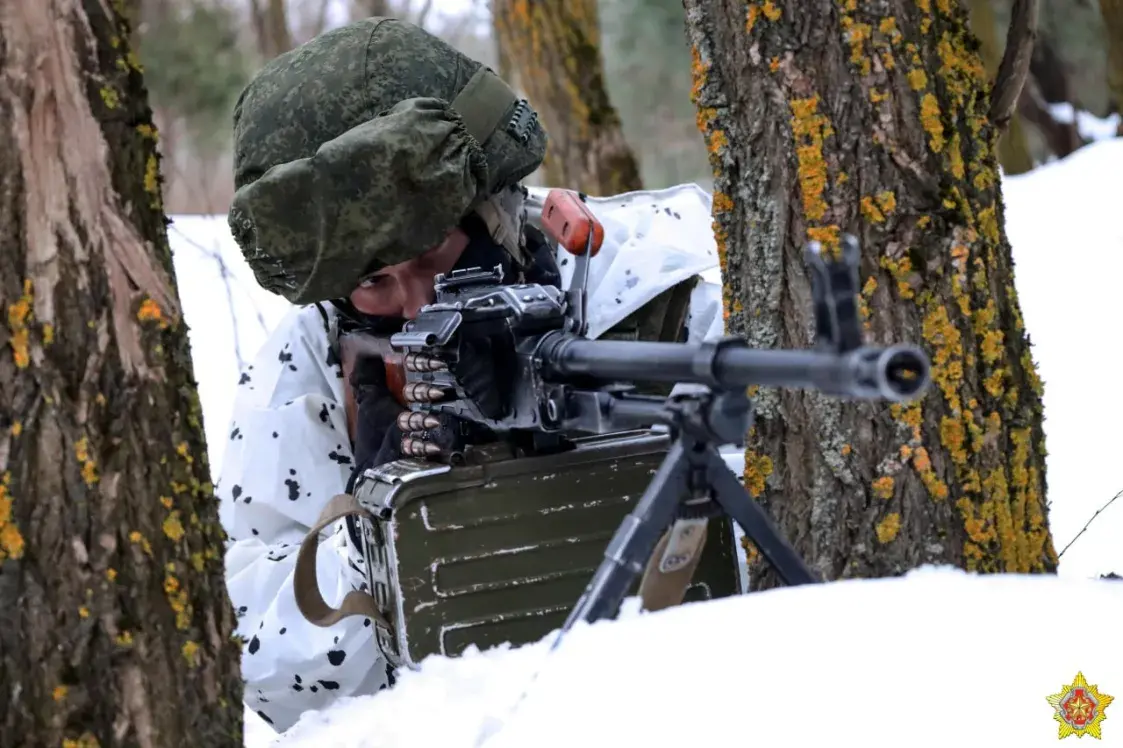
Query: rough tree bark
x=824, y=118
x=554, y=46
x=115, y=626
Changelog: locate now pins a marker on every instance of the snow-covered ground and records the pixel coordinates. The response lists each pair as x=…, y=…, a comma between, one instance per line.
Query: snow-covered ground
x=937, y=658
x=993, y=648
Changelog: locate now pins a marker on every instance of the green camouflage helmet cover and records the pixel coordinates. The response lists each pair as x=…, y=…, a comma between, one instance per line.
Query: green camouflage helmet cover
x=363, y=148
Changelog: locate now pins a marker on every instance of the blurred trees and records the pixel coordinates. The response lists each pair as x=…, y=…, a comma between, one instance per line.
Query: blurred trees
x=877, y=120
x=647, y=67
x=198, y=54
x=117, y=629
x=553, y=49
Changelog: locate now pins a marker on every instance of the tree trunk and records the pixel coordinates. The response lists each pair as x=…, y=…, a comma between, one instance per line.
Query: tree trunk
x=1112, y=13
x=554, y=45
x=116, y=628
x=821, y=119
x=271, y=27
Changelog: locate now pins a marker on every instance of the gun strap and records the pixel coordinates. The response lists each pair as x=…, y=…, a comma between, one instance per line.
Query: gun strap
x=671, y=567
x=306, y=586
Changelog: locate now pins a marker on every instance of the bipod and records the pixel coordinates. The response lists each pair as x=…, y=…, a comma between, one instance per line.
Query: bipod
x=694, y=482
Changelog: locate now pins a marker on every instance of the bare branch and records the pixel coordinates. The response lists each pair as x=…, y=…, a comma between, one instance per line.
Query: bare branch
x=1089, y=522
x=1015, y=62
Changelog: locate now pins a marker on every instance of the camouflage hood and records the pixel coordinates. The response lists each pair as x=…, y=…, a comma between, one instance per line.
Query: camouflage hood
x=363, y=148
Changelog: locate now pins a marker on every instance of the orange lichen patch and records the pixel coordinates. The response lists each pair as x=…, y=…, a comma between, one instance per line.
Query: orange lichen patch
x=18, y=315
x=774, y=64
x=190, y=652
x=846, y=449
x=905, y=451
x=771, y=12
x=888, y=528
x=901, y=270
x=930, y=120
x=149, y=311
x=59, y=693
x=83, y=612
x=16, y=428
x=827, y=236
x=173, y=528
x=921, y=462
x=177, y=598
x=955, y=157
x=887, y=201
x=752, y=555
x=757, y=469
x=152, y=181
x=871, y=211
x=124, y=639
x=89, y=467
x=166, y=501
x=856, y=35
x=992, y=345
x=995, y=382
x=918, y=79
x=883, y=487
x=953, y=437
x=111, y=574
x=11, y=542
x=947, y=365
x=752, y=13
x=138, y=539
x=870, y=286
x=810, y=129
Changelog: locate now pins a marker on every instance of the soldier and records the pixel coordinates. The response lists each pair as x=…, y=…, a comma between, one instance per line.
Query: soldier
x=366, y=162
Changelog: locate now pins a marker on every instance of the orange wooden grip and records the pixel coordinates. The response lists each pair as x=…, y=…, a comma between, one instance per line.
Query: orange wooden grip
x=568, y=219
x=396, y=377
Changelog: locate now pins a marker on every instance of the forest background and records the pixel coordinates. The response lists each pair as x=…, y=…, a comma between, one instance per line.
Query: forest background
x=198, y=54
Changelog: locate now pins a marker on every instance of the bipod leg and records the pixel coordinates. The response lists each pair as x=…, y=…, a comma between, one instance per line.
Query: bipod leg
x=735, y=500
x=631, y=546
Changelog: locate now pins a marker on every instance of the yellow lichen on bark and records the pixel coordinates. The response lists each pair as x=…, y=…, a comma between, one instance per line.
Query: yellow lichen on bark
x=11, y=541
x=888, y=528
x=757, y=469
x=810, y=128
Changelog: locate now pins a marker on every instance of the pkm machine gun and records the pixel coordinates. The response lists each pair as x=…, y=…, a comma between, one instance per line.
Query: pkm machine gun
x=560, y=383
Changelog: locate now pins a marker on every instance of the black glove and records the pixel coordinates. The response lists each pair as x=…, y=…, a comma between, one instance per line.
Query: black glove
x=377, y=436
x=485, y=367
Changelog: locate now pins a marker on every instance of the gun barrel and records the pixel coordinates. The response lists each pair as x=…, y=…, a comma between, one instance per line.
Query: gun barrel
x=899, y=373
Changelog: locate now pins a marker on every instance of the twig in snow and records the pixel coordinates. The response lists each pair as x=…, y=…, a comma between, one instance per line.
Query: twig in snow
x=1089, y=522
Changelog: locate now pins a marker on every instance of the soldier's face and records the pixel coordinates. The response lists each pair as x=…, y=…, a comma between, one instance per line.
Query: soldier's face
x=401, y=290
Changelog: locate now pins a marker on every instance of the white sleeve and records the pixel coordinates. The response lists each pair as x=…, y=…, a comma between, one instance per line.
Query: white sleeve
x=288, y=455
x=706, y=318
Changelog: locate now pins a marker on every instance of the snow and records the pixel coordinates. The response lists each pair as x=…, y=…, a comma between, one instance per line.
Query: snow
x=936, y=658
x=1088, y=125
x=987, y=662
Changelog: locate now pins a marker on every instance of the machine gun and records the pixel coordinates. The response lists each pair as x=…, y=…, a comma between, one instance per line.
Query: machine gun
x=556, y=383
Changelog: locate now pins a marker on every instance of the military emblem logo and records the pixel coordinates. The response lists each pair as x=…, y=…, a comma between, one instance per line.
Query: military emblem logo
x=1079, y=708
